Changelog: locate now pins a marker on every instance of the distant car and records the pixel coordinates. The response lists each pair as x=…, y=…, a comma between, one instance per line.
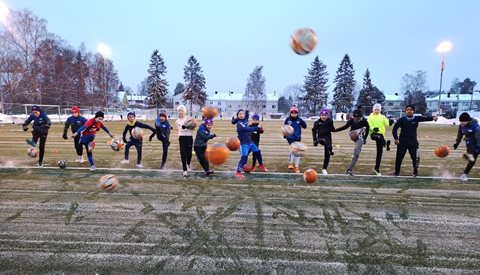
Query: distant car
x=314, y=118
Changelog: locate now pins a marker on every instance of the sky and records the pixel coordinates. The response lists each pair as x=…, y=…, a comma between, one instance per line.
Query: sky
x=230, y=38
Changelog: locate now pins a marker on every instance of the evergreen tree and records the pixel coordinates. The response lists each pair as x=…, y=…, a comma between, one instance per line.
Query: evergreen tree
x=157, y=84
x=369, y=94
x=194, y=83
x=179, y=89
x=315, y=87
x=345, y=85
x=283, y=105
x=467, y=86
x=255, y=96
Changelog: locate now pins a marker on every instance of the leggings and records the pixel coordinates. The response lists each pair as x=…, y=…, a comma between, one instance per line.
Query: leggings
x=380, y=141
x=200, y=153
x=327, y=145
x=36, y=135
x=138, y=146
x=186, y=144
x=78, y=146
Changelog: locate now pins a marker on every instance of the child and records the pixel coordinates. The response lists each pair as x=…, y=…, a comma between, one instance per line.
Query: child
x=41, y=124
x=185, y=139
x=471, y=130
x=408, y=138
x=75, y=121
x=88, y=132
x=200, y=146
x=255, y=137
x=322, y=133
x=163, y=134
x=131, y=124
x=246, y=145
x=297, y=123
x=358, y=133
x=378, y=123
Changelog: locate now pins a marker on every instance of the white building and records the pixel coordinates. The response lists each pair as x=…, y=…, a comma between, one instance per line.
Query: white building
x=393, y=105
x=228, y=104
x=460, y=102
x=132, y=100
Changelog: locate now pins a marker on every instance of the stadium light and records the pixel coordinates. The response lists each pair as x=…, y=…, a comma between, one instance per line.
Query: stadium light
x=443, y=48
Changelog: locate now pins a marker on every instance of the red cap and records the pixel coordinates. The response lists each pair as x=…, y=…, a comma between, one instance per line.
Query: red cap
x=75, y=109
x=294, y=109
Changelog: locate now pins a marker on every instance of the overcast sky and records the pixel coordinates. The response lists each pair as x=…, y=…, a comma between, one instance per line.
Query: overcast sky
x=230, y=38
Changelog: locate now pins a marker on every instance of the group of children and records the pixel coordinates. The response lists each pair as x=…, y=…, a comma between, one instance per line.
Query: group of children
x=84, y=132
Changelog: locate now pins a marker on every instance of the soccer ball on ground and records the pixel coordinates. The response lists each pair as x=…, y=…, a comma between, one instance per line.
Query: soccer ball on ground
x=310, y=175
x=32, y=152
x=62, y=164
x=303, y=41
x=109, y=182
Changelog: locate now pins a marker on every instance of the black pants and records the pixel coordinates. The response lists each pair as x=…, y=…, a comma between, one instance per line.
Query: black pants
x=138, y=146
x=380, y=142
x=414, y=154
x=36, y=135
x=200, y=153
x=186, y=143
x=254, y=156
x=327, y=146
x=78, y=146
x=165, y=145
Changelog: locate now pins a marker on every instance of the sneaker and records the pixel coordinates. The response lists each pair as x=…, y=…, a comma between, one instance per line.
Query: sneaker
x=388, y=145
x=139, y=165
x=296, y=170
x=208, y=173
x=91, y=145
x=331, y=152
x=464, y=177
x=185, y=174
x=468, y=157
x=80, y=159
x=350, y=173
x=39, y=164
x=92, y=168
x=290, y=166
x=377, y=172
x=394, y=175
x=30, y=142
x=324, y=172
x=253, y=169
x=163, y=167
x=415, y=173
x=262, y=168
x=124, y=161
x=77, y=159
x=189, y=168
x=239, y=175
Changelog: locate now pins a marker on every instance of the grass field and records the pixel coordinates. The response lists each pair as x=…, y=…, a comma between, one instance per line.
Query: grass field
x=58, y=221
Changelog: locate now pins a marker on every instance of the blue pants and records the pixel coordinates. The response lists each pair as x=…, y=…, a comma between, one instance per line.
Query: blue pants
x=84, y=141
x=245, y=150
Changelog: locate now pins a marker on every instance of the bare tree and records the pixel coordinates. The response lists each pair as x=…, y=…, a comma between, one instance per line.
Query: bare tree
x=255, y=97
x=293, y=93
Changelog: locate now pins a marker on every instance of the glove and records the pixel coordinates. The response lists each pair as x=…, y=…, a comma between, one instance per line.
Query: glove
x=64, y=136
x=151, y=137
x=455, y=146
x=183, y=127
x=375, y=129
x=214, y=135
x=25, y=128
x=47, y=126
x=390, y=122
x=111, y=136
x=315, y=143
x=124, y=140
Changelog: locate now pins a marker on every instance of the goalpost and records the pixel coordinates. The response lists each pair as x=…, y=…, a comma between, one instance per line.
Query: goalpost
x=52, y=110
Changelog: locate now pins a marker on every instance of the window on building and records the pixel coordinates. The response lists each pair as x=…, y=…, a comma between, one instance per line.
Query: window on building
x=177, y=103
x=211, y=102
x=218, y=103
x=264, y=106
x=229, y=106
x=390, y=103
x=273, y=106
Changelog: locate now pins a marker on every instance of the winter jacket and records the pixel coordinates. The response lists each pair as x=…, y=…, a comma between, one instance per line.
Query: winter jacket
x=297, y=123
x=203, y=135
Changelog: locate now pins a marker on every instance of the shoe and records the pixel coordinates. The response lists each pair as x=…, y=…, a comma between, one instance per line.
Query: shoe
x=468, y=157
x=415, y=173
x=208, y=173
x=77, y=159
x=80, y=159
x=262, y=168
x=253, y=169
x=324, y=172
x=331, y=152
x=189, y=168
x=39, y=164
x=139, y=165
x=163, y=167
x=91, y=145
x=350, y=173
x=124, y=161
x=30, y=142
x=239, y=175
x=464, y=177
x=185, y=174
x=290, y=166
x=296, y=170
x=377, y=172
x=92, y=168
x=394, y=175
x=388, y=145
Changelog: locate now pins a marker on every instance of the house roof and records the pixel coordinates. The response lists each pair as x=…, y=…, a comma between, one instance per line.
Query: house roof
x=453, y=97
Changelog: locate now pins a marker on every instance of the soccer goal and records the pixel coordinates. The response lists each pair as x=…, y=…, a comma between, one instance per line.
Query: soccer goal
x=53, y=111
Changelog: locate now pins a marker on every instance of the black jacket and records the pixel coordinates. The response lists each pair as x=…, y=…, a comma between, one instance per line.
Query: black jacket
x=322, y=129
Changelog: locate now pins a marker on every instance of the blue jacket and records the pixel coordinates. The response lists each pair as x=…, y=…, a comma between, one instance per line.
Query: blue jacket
x=297, y=123
x=244, y=131
x=203, y=135
x=75, y=122
x=471, y=131
x=40, y=123
x=163, y=129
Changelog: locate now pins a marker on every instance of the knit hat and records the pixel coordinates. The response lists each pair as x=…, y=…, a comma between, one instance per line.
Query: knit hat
x=181, y=107
x=36, y=108
x=99, y=114
x=163, y=114
x=255, y=117
x=357, y=113
x=378, y=107
x=294, y=109
x=464, y=117
x=324, y=112
x=75, y=109
x=131, y=114
x=208, y=121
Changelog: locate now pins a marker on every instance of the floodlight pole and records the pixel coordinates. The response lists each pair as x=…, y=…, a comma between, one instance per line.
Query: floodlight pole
x=440, y=90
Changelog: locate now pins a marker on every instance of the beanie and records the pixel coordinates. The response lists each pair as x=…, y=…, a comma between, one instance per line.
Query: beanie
x=163, y=114
x=324, y=112
x=357, y=113
x=208, y=121
x=464, y=117
x=131, y=114
x=255, y=117
x=75, y=109
x=182, y=107
x=36, y=108
x=99, y=114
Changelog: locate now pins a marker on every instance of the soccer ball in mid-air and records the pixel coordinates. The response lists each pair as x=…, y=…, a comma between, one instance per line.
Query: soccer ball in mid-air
x=287, y=130
x=109, y=182
x=442, y=151
x=32, y=152
x=117, y=144
x=303, y=41
x=217, y=153
x=233, y=143
x=137, y=133
x=298, y=148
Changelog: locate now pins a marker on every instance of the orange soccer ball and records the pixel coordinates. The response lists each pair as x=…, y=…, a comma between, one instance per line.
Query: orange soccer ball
x=442, y=151
x=233, y=144
x=310, y=175
x=247, y=168
x=217, y=153
x=209, y=111
x=303, y=41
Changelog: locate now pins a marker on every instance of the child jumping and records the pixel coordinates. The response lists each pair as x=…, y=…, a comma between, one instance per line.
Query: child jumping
x=88, y=132
x=297, y=124
x=41, y=124
x=358, y=133
x=75, y=121
x=408, y=138
x=133, y=141
x=471, y=130
x=322, y=133
x=246, y=145
x=163, y=128
x=378, y=123
x=200, y=146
